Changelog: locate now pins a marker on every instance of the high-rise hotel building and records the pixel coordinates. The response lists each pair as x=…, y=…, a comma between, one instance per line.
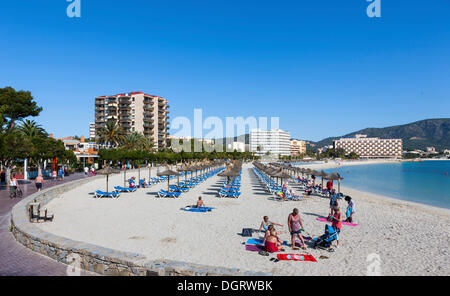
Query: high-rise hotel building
x=275, y=141
x=371, y=147
x=135, y=112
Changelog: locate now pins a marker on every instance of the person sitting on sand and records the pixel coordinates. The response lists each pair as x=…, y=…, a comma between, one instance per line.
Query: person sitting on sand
x=266, y=223
x=295, y=228
x=132, y=182
x=272, y=244
x=268, y=233
x=350, y=209
x=199, y=204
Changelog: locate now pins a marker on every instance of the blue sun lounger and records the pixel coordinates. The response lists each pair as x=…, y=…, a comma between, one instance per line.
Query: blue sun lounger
x=164, y=193
x=101, y=194
x=123, y=189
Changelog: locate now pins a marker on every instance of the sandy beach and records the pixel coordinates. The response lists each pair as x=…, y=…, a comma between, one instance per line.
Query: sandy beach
x=409, y=238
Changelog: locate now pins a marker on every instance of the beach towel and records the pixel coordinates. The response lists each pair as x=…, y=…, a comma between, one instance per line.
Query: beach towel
x=344, y=223
x=201, y=210
x=296, y=257
x=258, y=242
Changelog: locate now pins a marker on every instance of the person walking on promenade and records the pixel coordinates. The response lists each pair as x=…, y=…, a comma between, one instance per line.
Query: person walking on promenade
x=13, y=185
x=39, y=182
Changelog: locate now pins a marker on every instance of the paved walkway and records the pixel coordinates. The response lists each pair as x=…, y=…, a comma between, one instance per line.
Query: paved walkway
x=15, y=259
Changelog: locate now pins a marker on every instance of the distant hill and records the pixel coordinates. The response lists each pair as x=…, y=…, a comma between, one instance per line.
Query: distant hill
x=416, y=135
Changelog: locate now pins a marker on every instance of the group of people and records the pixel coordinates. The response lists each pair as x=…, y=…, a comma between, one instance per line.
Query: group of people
x=89, y=170
x=272, y=241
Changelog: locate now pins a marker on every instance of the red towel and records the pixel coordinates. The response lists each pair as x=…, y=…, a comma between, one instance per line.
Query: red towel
x=296, y=257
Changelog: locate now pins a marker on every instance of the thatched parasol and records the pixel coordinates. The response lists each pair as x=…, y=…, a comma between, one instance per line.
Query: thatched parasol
x=107, y=171
x=167, y=173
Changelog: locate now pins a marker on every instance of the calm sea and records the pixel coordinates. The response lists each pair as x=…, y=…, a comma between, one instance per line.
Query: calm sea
x=425, y=182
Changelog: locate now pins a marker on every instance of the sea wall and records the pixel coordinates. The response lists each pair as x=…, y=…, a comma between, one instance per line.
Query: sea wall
x=96, y=258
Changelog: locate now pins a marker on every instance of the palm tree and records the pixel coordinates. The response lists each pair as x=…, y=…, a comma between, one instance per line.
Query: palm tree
x=31, y=129
x=111, y=133
x=137, y=141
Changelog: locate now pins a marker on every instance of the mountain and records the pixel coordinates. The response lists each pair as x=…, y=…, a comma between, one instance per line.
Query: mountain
x=416, y=135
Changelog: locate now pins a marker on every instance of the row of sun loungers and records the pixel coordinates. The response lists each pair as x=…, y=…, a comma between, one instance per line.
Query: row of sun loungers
x=176, y=190
x=231, y=188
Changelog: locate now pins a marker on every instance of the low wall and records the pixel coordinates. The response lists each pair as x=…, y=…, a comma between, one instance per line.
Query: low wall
x=95, y=258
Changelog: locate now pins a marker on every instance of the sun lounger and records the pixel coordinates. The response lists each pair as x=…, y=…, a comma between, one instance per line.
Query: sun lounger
x=101, y=194
x=164, y=193
x=123, y=189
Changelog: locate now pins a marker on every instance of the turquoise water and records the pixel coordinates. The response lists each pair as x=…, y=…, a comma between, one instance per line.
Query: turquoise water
x=423, y=182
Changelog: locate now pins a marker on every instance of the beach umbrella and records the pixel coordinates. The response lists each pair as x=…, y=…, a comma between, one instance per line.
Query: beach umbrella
x=282, y=175
x=107, y=171
x=229, y=174
x=335, y=176
x=322, y=175
x=167, y=173
x=184, y=169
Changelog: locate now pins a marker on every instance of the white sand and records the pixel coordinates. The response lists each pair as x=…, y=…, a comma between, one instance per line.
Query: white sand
x=410, y=239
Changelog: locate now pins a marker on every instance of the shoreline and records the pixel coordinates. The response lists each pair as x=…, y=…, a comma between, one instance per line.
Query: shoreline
x=326, y=166
x=158, y=229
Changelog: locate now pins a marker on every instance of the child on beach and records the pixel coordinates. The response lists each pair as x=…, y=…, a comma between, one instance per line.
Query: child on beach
x=337, y=221
x=350, y=209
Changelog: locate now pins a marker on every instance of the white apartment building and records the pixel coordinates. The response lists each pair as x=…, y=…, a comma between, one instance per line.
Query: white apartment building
x=276, y=142
x=92, y=130
x=370, y=147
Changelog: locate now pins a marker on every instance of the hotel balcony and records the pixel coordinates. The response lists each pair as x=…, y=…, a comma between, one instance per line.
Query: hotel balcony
x=125, y=119
x=124, y=107
x=148, y=113
x=148, y=119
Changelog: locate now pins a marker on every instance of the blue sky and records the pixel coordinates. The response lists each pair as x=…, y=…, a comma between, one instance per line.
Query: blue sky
x=323, y=67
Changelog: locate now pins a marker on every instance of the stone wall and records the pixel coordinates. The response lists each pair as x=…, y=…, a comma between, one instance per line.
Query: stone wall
x=95, y=258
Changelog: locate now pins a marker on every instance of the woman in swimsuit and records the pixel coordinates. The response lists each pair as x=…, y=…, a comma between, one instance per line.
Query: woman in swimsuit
x=199, y=203
x=266, y=223
x=269, y=233
x=272, y=244
x=295, y=228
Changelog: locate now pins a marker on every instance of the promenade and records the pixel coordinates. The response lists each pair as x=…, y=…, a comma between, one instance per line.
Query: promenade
x=15, y=259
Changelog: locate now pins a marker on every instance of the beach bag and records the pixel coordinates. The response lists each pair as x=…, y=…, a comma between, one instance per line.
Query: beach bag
x=247, y=232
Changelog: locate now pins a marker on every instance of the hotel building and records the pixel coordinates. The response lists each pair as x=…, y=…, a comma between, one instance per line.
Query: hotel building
x=297, y=147
x=370, y=147
x=92, y=130
x=275, y=142
x=135, y=112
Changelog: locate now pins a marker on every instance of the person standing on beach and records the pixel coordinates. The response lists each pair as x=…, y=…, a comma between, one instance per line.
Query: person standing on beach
x=295, y=228
x=350, y=209
x=337, y=222
x=39, y=182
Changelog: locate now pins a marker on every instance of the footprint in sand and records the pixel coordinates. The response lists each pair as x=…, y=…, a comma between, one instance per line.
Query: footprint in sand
x=137, y=237
x=169, y=240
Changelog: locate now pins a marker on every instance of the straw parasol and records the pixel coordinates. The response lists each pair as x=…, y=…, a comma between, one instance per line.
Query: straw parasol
x=167, y=173
x=107, y=171
x=335, y=176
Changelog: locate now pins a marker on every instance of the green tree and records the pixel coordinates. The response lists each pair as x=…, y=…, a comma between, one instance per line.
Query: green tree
x=111, y=134
x=16, y=105
x=30, y=128
x=137, y=141
x=13, y=146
